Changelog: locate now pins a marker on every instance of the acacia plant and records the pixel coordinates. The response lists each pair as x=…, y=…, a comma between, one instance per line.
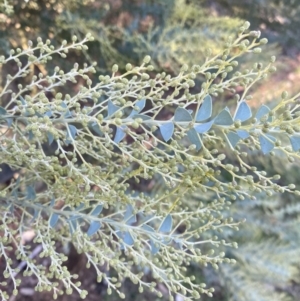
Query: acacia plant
x=79, y=154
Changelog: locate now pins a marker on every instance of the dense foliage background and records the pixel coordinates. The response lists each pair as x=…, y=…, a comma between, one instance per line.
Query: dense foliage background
x=173, y=33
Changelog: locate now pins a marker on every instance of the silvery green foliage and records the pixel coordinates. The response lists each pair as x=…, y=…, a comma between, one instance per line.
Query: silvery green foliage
x=126, y=127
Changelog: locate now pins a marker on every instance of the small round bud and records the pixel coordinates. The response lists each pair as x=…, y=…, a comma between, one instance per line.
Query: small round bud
x=135, y=125
x=115, y=68
x=254, y=34
x=184, y=68
x=263, y=41
x=292, y=186
x=147, y=59
x=257, y=50
x=221, y=157
x=272, y=69
x=246, y=25
x=128, y=67
x=284, y=95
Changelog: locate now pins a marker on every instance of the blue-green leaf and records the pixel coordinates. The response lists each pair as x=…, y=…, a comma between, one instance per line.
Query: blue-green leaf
x=94, y=227
x=30, y=193
x=194, y=138
x=2, y=111
x=35, y=215
x=243, y=134
x=128, y=239
x=23, y=101
x=52, y=202
x=95, y=127
x=166, y=225
x=30, y=135
x=67, y=112
x=154, y=248
x=72, y=131
x=129, y=217
x=48, y=113
x=120, y=134
x=262, y=111
x=81, y=206
x=243, y=112
x=9, y=121
x=233, y=139
x=111, y=108
x=131, y=220
x=53, y=220
x=295, y=142
x=147, y=228
x=182, y=114
x=50, y=138
x=203, y=127
x=205, y=109
x=266, y=143
x=72, y=221
x=128, y=212
x=97, y=210
x=140, y=104
x=167, y=130
x=143, y=117
x=166, y=241
x=223, y=118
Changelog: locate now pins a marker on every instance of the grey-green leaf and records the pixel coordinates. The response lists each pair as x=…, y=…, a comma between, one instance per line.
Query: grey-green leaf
x=72, y=131
x=9, y=121
x=154, y=248
x=295, y=142
x=30, y=193
x=2, y=111
x=167, y=130
x=166, y=225
x=262, y=111
x=140, y=104
x=128, y=239
x=233, y=139
x=53, y=220
x=143, y=117
x=194, y=138
x=182, y=114
x=120, y=134
x=67, y=112
x=72, y=221
x=205, y=109
x=147, y=228
x=50, y=138
x=203, y=127
x=243, y=112
x=128, y=212
x=95, y=127
x=111, y=108
x=97, y=210
x=224, y=118
x=266, y=144
x=94, y=227
x=243, y=134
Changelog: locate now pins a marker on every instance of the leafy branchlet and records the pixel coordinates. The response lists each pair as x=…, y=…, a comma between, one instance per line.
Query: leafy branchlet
x=88, y=147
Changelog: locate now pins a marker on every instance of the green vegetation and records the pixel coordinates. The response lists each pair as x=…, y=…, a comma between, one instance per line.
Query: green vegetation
x=147, y=166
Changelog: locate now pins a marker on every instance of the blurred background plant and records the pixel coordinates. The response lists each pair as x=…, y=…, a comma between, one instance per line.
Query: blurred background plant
x=173, y=33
